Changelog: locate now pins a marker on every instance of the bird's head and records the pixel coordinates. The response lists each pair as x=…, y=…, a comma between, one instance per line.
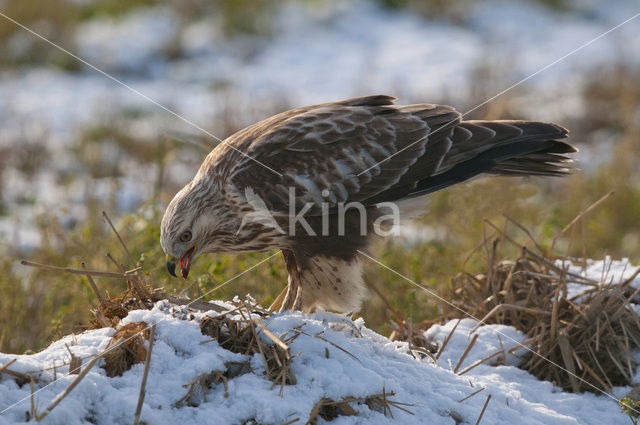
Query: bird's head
x=189, y=226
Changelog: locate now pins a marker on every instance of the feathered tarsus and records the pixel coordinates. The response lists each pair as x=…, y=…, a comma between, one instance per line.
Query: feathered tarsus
x=364, y=150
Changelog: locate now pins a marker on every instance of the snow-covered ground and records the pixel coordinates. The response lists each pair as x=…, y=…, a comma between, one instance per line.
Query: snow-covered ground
x=348, y=360
x=318, y=51
x=607, y=270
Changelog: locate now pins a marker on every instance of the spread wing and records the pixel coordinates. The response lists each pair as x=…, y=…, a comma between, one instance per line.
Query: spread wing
x=349, y=151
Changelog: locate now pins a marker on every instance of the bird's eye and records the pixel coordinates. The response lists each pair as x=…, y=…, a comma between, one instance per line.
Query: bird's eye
x=186, y=236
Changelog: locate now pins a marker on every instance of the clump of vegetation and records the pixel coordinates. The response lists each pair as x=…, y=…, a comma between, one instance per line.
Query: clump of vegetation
x=126, y=348
x=241, y=335
x=329, y=410
x=591, y=334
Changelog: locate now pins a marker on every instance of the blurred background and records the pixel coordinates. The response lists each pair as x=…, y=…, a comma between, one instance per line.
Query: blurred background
x=74, y=143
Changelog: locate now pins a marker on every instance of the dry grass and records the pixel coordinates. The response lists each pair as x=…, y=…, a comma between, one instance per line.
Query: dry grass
x=126, y=348
x=197, y=387
x=329, y=410
x=240, y=333
x=590, y=334
x=580, y=342
x=20, y=378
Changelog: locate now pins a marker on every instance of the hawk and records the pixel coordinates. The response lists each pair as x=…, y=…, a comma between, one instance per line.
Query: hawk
x=309, y=162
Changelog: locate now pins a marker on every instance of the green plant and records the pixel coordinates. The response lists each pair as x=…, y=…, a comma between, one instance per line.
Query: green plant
x=630, y=407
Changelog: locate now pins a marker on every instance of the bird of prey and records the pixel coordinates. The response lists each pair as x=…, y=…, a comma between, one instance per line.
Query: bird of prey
x=283, y=183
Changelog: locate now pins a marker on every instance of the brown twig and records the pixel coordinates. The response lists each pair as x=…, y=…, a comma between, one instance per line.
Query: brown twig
x=329, y=342
x=579, y=216
x=93, y=284
x=275, y=305
x=486, y=403
x=471, y=395
x=33, y=401
x=147, y=362
x=499, y=307
x=5, y=369
x=74, y=271
x=466, y=351
x=142, y=293
x=71, y=386
x=479, y=362
x=75, y=363
x=113, y=260
x=386, y=302
x=582, y=280
x=526, y=231
x=6, y=365
x=106, y=216
x=504, y=354
x=446, y=340
x=274, y=338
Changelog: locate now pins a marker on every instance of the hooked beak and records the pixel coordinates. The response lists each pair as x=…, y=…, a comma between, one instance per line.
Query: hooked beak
x=185, y=261
x=171, y=265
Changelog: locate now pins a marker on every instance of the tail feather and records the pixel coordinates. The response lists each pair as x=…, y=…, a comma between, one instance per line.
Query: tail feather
x=527, y=167
x=507, y=148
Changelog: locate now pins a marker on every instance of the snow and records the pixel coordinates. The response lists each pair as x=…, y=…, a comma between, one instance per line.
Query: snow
x=135, y=42
x=334, y=357
x=607, y=270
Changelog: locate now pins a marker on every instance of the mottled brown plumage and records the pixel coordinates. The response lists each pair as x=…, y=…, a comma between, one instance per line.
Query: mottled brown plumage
x=363, y=150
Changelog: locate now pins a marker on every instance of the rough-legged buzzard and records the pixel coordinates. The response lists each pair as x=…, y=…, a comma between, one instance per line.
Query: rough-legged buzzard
x=302, y=180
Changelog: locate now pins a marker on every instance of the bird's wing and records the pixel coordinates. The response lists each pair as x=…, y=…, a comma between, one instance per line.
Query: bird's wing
x=347, y=151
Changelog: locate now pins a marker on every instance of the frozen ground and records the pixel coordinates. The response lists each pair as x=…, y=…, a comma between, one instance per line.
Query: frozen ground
x=317, y=52
x=348, y=361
